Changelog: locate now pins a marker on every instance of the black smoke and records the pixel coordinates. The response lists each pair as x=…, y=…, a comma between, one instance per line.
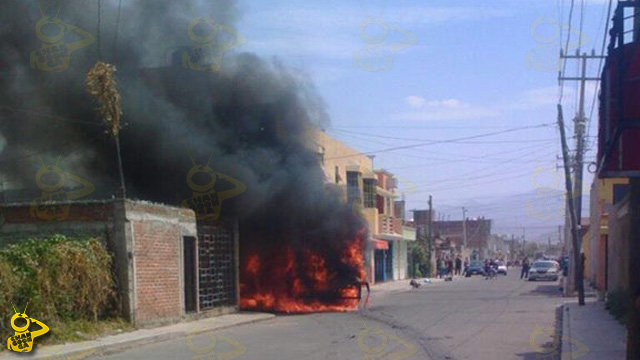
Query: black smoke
x=252, y=117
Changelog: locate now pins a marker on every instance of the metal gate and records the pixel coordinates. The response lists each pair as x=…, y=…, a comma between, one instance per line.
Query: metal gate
x=216, y=264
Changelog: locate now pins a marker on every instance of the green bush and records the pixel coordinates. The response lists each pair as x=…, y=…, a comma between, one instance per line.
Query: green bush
x=63, y=280
x=617, y=304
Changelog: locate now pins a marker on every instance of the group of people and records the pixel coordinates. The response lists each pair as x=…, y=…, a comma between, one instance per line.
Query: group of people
x=448, y=267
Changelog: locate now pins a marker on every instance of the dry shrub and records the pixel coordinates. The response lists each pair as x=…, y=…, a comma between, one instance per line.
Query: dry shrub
x=63, y=280
x=102, y=86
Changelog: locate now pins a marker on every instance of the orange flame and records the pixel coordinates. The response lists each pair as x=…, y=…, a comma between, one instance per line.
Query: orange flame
x=300, y=282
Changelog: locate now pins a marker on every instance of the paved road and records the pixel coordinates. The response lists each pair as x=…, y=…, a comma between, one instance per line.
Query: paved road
x=469, y=318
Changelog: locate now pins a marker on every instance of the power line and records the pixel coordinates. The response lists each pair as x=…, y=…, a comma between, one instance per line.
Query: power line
x=422, y=140
x=595, y=94
x=566, y=49
x=442, y=141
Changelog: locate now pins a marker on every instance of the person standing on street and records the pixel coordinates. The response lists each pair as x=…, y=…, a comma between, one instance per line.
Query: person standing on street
x=524, y=274
x=458, y=265
x=449, y=268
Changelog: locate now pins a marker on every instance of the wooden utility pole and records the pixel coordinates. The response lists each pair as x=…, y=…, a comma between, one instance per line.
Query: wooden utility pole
x=574, y=221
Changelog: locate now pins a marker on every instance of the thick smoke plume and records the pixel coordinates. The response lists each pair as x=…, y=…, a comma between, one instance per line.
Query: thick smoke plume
x=254, y=116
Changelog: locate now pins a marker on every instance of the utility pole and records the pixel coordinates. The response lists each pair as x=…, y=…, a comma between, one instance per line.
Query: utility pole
x=559, y=234
x=432, y=259
x=574, y=221
x=464, y=228
x=579, y=130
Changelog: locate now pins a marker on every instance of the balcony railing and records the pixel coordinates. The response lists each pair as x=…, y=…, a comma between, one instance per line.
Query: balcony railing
x=389, y=225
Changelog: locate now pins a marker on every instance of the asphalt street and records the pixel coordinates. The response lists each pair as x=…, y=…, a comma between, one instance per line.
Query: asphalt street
x=469, y=318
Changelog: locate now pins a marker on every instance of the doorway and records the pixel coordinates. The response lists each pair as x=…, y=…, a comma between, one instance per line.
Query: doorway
x=190, y=273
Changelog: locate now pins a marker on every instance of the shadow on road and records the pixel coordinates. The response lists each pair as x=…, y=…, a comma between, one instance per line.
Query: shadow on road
x=551, y=290
x=539, y=356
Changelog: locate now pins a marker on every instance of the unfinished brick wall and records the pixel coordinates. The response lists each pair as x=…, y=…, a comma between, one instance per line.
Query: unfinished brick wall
x=156, y=241
x=86, y=218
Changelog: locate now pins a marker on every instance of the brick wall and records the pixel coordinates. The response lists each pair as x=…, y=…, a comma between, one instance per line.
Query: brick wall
x=87, y=218
x=157, y=232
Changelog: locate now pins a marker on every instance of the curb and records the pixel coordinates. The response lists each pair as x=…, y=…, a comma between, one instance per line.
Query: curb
x=99, y=349
x=565, y=349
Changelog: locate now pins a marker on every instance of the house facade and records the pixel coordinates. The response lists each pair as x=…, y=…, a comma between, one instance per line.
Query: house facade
x=371, y=194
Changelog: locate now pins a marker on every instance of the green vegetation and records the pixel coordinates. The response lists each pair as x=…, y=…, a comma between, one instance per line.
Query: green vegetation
x=617, y=304
x=420, y=258
x=68, y=284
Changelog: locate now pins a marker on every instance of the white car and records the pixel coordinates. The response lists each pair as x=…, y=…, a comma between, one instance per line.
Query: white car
x=544, y=270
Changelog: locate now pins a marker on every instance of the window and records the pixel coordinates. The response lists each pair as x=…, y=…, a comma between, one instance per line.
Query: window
x=369, y=190
x=337, y=175
x=353, y=186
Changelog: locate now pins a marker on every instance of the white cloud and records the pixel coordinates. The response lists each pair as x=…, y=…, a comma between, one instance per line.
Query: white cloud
x=415, y=101
x=445, y=109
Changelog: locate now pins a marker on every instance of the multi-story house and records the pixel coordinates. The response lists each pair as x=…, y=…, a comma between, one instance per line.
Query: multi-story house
x=370, y=193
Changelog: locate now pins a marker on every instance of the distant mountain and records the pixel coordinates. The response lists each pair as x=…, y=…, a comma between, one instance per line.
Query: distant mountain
x=539, y=212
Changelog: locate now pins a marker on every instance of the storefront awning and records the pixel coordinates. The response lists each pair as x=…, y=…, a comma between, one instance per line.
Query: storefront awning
x=380, y=244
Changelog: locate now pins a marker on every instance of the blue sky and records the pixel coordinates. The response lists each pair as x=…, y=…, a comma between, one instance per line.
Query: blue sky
x=467, y=75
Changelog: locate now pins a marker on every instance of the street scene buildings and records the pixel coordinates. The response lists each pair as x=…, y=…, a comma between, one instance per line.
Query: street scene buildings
x=248, y=185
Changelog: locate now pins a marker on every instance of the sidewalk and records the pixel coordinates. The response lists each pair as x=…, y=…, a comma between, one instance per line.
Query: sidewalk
x=589, y=332
x=117, y=343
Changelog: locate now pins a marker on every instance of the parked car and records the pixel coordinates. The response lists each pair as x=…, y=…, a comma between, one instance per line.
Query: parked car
x=502, y=268
x=475, y=268
x=544, y=270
